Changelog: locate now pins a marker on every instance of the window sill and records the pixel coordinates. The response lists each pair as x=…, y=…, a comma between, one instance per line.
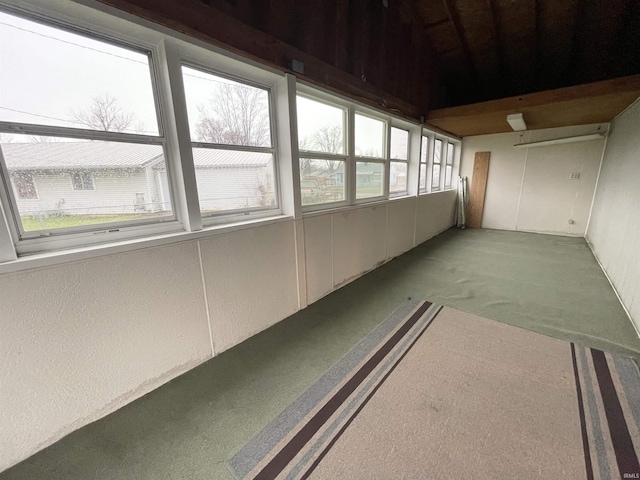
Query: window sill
x=42, y=260
x=435, y=192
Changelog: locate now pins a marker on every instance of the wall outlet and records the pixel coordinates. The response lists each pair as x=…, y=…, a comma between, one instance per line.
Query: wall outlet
x=574, y=176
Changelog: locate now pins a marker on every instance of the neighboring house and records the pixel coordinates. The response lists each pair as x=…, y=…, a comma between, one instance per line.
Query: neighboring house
x=367, y=174
x=97, y=178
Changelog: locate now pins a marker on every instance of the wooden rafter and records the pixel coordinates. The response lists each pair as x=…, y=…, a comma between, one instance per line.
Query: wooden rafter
x=502, y=65
x=455, y=20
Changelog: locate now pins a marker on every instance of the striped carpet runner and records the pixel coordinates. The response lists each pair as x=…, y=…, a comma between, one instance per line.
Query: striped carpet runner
x=437, y=393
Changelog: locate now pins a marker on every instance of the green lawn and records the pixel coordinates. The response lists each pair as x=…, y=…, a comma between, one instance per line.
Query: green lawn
x=31, y=224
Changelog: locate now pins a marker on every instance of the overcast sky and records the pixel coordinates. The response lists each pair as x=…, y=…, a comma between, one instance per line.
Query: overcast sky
x=48, y=74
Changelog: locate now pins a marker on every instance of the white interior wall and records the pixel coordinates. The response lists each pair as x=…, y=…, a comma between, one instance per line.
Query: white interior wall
x=614, y=229
x=342, y=246
x=81, y=339
x=530, y=189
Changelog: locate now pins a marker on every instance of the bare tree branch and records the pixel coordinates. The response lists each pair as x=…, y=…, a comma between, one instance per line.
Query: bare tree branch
x=104, y=113
x=236, y=115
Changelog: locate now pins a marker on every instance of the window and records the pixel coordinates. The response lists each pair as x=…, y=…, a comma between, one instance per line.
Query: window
x=231, y=135
x=424, y=162
x=399, y=155
x=321, y=181
x=370, y=142
x=87, y=131
x=82, y=181
x=369, y=135
x=24, y=186
x=320, y=127
x=321, y=140
x=448, y=172
x=437, y=160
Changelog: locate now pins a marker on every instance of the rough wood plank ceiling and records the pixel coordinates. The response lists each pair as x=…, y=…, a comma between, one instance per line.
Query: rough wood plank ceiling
x=490, y=49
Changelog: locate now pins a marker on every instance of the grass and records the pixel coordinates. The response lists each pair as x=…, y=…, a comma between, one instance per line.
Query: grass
x=31, y=224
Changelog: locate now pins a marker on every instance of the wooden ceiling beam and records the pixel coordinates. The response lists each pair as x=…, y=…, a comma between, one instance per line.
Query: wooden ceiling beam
x=597, y=102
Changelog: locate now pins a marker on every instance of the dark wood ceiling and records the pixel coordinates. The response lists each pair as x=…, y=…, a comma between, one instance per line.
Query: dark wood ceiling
x=412, y=57
x=489, y=49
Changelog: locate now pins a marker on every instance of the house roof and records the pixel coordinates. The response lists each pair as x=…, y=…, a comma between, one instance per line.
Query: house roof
x=101, y=155
x=209, y=157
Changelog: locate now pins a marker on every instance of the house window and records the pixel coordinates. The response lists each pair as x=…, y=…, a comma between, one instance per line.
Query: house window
x=399, y=155
x=25, y=187
x=448, y=172
x=231, y=133
x=93, y=113
x=321, y=140
x=437, y=162
x=82, y=181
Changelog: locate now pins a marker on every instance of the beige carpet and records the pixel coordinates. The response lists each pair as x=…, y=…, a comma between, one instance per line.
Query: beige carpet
x=434, y=393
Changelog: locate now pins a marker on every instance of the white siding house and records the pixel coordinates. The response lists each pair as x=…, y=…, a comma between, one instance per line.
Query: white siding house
x=99, y=178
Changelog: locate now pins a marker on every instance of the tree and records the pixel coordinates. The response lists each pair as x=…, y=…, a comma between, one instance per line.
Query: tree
x=326, y=140
x=235, y=115
x=105, y=113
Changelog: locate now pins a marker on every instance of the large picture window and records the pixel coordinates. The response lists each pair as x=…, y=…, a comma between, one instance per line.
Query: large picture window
x=86, y=131
x=231, y=135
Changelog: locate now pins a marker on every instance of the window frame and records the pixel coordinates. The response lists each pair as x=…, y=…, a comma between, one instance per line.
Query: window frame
x=313, y=155
x=449, y=166
x=427, y=161
x=425, y=152
x=319, y=94
x=382, y=160
x=166, y=50
x=442, y=141
x=398, y=126
x=215, y=218
x=53, y=239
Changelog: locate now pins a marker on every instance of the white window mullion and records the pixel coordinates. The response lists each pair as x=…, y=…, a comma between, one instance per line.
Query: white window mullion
x=387, y=163
x=7, y=247
x=413, y=170
x=180, y=163
x=289, y=161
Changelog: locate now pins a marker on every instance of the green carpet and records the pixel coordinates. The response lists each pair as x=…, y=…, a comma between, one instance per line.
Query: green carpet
x=189, y=427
